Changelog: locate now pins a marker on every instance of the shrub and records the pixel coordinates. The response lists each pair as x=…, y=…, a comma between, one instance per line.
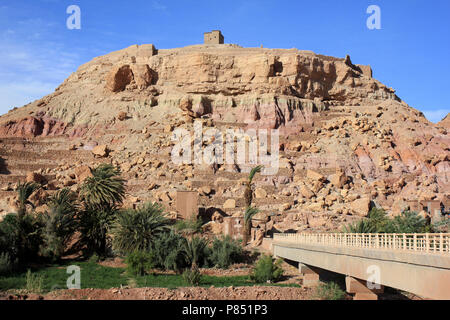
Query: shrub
x=168, y=250
x=94, y=225
x=329, y=291
x=34, y=282
x=224, y=252
x=6, y=265
x=192, y=276
x=195, y=250
x=266, y=270
x=60, y=223
x=94, y=259
x=408, y=222
x=361, y=226
x=138, y=262
x=23, y=235
x=378, y=222
x=190, y=226
x=138, y=229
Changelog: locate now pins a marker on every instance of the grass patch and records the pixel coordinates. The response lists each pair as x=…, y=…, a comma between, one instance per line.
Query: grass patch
x=101, y=277
x=329, y=291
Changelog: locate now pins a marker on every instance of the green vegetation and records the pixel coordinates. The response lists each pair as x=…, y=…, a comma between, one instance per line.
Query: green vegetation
x=378, y=222
x=224, y=252
x=192, y=276
x=139, y=229
x=34, y=282
x=6, y=265
x=139, y=262
x=329, y=291
x=248, y=193
x=59, y=223
x=169, y=252
x=24, y=191
x=267, y=270
x=101, y=277
x=248, y=216
x=92, y=223
x=105, y=189
x=189, y=226
x=101, y=195
x=195, y=252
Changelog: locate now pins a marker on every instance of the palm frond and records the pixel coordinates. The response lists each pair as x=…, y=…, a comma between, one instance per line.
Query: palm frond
x=249, y=213
x=254, y=171
x=105, y=188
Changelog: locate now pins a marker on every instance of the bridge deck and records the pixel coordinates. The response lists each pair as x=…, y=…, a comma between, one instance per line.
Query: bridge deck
x=418, y=263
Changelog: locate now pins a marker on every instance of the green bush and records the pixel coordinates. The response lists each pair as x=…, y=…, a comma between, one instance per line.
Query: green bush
x=224, y=252
x=360, y=226
x=192, y=276
x=60, y=223
x=266, y=270
x=6, y=265
x=329, y=291
x=189, y=226
x=195, y=250
x=378, y=222
x=34, y=282
x=168, y=250
x=138, y=229
x=23, y=236
x=94, y=259
x=408, y=222
x=94, y=226
x=139, y=262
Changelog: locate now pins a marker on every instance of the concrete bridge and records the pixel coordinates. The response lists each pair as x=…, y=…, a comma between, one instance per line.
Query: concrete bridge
x=416, y=263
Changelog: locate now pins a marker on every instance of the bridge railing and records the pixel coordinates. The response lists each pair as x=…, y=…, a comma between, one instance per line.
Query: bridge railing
x=438, y=243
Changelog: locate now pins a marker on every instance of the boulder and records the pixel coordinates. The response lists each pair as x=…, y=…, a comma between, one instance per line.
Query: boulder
x=361, y=207
x=229, y=204
x=306, y=192
x=82, y=173
x=35, y=177
x=315, y=176
x=339, y=179
x=100, y=151
x=122, y=115
x=260, y=193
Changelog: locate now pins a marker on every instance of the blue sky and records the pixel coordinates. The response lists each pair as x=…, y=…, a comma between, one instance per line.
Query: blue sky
x=410, y=53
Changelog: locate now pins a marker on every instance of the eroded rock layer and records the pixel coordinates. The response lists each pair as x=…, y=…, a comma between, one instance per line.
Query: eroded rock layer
x=348, y=142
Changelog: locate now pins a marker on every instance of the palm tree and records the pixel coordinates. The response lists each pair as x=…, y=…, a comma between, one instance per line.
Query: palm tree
x=60, y=222
x=248, y=193
x=25, y=190
x=138, y=229
x=248, y=215
x=101, y=194
x=105, y=188
x=361, y=226
x=194, y=250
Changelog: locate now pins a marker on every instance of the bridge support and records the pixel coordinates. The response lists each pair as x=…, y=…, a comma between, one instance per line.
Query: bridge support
x=359, y=288
x=310, y=276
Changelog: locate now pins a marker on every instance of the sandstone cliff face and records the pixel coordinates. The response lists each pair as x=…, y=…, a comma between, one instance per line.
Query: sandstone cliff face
x=336, y=120
x=263, y=87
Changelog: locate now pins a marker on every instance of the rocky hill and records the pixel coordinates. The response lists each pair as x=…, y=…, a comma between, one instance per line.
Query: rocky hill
x=348, y=142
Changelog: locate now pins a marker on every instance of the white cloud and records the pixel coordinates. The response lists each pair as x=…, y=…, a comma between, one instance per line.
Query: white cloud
x=436, y=115
x=30, y=70
x=19, y=94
